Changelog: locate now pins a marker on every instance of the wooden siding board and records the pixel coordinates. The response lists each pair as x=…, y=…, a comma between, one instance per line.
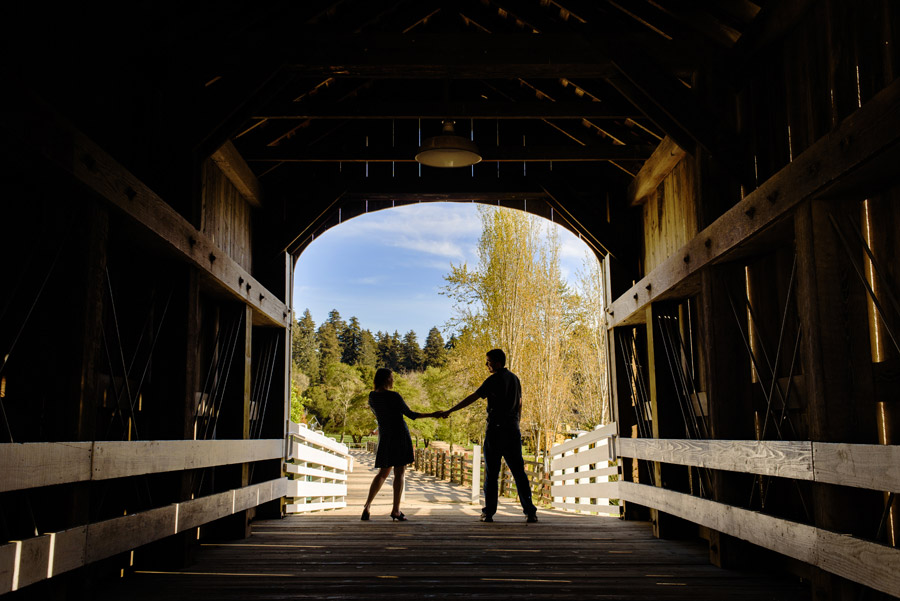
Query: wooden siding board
x=670, y=218
x=870, y=131
x=40, y=129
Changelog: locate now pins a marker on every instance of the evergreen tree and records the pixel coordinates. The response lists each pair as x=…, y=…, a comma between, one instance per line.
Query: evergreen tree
x=411, y=355
x=334, y=318
x=351, y=341
x=388, y=351
x=329, y=348
x=435, y=352
x=368, y=350
x=304, y=346
x=397, y=345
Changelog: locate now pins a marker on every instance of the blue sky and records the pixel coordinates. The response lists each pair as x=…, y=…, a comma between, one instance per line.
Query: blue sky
x=387, y=267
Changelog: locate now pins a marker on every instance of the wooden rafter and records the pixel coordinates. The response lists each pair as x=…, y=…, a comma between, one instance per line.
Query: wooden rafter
x=453, y=110
x=406, y=153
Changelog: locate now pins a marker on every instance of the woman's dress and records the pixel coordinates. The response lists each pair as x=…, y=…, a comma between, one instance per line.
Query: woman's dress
x=394, y=444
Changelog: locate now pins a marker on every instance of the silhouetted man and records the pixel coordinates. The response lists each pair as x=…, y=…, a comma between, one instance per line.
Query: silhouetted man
x=502, y=439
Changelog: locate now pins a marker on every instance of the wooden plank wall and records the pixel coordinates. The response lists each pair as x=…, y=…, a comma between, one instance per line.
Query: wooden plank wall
x=227, y=218
x=670, y=214
x=813, y=153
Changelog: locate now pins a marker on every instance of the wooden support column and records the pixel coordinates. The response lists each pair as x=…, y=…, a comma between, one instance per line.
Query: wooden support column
x=234, y=422
x=727, y=369
x=83, y=380
x=177, y=360
x=879, y=218
x=837, y=370
x=278, y=414
x=667, y=421
x=621, y=399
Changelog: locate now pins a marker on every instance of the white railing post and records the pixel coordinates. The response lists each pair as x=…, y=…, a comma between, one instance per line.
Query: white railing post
x=476, y=475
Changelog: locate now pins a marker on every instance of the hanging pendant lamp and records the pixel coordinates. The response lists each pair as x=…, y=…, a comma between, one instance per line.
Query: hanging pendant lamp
x=448, y=150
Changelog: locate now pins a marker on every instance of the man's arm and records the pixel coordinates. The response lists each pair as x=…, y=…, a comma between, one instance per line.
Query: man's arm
x=462, y=404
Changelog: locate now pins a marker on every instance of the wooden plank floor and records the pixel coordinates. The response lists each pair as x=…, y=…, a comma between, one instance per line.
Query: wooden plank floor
x=445, y=552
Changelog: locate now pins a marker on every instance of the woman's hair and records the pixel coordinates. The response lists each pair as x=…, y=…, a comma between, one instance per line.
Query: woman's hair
x=381, y=377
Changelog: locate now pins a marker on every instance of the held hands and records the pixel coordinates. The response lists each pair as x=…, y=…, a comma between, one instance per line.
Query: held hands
x=439, y=414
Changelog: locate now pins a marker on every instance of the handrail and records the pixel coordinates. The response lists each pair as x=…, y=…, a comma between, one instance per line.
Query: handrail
x=581, y=472
x=317, y=467
x=25, y=562
x=37, y=464
x=875, y=467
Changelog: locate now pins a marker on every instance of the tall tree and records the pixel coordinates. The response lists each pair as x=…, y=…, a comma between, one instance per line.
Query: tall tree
x=590, y=387
x=329, y=348
x=341, y=384
x=388, y=350
x=515, y=299
x=435, y=352
x=368, y=350
x=351, y=341
x=334, y=318
x=411, y=355
x=305, y=347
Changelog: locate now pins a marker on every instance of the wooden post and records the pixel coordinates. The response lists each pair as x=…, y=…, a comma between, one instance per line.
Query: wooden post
x=837, y=367
x=234, y=422
x=86, y=363
x=476, y=474
x=727, y=378
x=621, y=401
x=667, y=421
x=278, y=406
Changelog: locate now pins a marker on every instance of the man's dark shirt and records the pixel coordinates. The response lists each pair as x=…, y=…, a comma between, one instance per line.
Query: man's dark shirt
x=504, y=398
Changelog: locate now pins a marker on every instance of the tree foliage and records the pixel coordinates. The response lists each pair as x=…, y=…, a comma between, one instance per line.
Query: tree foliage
x=305, y=347
x=411, y=357
x=516, y=299
x=435, y=353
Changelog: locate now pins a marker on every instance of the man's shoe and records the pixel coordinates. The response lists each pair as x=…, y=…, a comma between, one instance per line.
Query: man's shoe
x=532, y=518
x=487, y=518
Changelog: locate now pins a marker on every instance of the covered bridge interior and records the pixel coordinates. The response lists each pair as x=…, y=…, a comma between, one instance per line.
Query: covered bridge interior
x=733, y=164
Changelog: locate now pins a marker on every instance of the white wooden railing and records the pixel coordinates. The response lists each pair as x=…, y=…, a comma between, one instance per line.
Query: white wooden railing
x=875, y=467
x=580, y=471
x=317, y=467
x=31, y=466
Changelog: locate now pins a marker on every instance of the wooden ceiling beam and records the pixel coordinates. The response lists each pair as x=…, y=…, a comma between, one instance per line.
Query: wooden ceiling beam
x=454, y=110
x=662, y=93
x=658, y=166
x=653, y=112
x=235, y=168
x=406, y=154
x=460, y=55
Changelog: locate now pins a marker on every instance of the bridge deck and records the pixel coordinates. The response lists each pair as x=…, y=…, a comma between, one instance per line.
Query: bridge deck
x=444, y=552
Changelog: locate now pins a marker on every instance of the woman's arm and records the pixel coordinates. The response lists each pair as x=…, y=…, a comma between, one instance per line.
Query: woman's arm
x=405, y=410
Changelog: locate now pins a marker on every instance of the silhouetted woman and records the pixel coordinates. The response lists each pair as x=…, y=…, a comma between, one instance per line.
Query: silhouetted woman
x=395, y=448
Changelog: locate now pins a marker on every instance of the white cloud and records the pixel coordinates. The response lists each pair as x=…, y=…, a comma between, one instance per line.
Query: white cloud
x=369, y=281
x=442, y=229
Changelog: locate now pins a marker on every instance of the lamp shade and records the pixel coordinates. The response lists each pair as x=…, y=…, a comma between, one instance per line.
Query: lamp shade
x=448, y=150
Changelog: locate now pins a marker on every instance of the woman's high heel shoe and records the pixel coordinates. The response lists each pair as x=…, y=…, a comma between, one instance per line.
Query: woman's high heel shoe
x=398, y=517
x=365, y=515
